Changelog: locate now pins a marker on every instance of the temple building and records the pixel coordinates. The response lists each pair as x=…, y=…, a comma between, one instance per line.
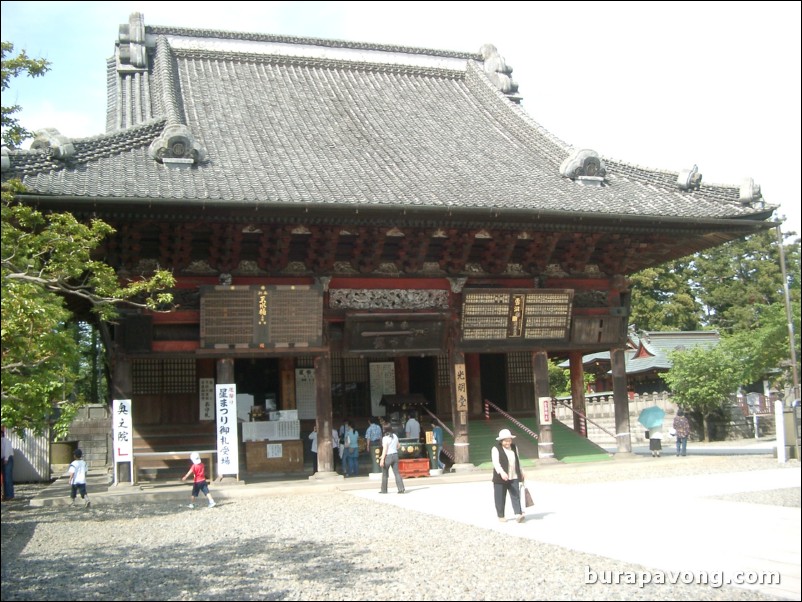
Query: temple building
x=348, y=220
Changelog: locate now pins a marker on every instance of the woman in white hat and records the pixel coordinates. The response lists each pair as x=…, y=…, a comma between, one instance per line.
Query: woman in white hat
x=507, y=474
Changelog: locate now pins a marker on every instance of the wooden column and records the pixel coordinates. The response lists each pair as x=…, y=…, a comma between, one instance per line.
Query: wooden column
x=459, y=406
x=401, y=375
x=225, y=371
x=621, y=400
x=540, y=371
x=286, y=370
x=474, y=374
x=325, y=455
x=122, y=386
x=578, y=392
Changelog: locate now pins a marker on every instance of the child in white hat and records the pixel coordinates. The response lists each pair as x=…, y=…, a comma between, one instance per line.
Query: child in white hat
x=199, y=483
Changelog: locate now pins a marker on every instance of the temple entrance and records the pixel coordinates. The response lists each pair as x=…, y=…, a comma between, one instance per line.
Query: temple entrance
x=260, y=378
x=423, y=378
x=493, y=371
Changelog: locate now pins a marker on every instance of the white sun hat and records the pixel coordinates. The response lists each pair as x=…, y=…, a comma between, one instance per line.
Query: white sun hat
x=504, y=434
x=195, y=458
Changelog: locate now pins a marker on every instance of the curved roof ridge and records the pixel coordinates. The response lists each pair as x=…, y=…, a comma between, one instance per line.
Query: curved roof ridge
x=168, y=98
x=555, y=148
x=34, y=161
x=259, y=37
x=325, y=63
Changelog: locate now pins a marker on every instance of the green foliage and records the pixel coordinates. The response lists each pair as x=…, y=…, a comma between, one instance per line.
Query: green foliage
x=702, y=379
x=47, y=259
x=663, y=299
x=13, y=133
x=559, y=380
x=736, y=282
x=49, y=266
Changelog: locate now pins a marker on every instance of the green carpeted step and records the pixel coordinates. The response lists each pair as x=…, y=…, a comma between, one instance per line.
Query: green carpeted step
x=568, y=445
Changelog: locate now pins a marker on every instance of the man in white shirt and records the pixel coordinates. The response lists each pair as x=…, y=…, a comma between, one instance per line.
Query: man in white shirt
x=412, y=428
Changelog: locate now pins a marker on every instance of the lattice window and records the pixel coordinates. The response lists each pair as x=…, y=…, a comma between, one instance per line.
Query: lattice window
x=153, y=377
x=336, y=368
x=442, y=371
x=519, y=367
x=305, y=361
x=146, y=377
x=355, y=370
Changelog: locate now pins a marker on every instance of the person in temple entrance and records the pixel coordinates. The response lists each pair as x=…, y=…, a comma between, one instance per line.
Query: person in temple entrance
x=389, y=459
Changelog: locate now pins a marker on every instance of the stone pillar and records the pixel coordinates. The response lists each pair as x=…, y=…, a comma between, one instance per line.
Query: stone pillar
x=621, y=400
x=578, y=392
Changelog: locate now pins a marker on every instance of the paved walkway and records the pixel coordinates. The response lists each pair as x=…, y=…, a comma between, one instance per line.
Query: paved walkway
x=719, y=537
x=722, y=538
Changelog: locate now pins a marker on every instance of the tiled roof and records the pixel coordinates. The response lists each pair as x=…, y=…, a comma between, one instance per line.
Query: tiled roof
x=288, y=121
x=658, y=346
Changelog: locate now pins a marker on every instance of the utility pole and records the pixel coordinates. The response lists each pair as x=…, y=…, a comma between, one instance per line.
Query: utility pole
x=788, y=312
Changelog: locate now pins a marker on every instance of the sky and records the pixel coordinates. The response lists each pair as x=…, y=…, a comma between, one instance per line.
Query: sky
x=665, y=85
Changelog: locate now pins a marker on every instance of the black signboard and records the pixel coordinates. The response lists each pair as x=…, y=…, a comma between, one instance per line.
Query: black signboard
x=515, y=317
x=261, y=316
x=395, y=333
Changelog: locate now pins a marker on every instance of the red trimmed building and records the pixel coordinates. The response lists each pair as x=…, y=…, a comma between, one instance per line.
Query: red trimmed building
x=346, y=220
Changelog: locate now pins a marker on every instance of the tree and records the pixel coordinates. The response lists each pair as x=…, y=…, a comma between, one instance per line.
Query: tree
x=48, y=268
x=13, y=132
x=703, y=380
x=663, y=299
x=737, y=281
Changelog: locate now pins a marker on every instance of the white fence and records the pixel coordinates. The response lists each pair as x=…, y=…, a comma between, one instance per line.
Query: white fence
x=31, y=456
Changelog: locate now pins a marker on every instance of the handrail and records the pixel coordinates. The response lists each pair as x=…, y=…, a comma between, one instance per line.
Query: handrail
x=446, y=429
x=585, y=418
x=520, y=425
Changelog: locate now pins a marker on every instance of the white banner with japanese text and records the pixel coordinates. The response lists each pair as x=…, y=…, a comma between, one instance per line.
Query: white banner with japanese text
x=123, y=431
x=227, y=432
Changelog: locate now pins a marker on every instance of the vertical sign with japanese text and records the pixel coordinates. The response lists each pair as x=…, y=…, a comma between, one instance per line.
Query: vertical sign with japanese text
x=382, y=382
x=306, y=393
x=206, y=398
x=123, y=431
x=546, y=407
x=461, y=382
x=227, y=434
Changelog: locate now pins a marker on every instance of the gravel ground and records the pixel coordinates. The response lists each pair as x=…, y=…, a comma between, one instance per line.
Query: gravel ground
x=322, y=546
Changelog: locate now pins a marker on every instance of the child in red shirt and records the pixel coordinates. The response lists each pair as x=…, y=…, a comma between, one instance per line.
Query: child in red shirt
x=199, y=482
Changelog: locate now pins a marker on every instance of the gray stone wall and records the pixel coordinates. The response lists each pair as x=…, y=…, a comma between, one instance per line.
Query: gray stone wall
x=91, y=428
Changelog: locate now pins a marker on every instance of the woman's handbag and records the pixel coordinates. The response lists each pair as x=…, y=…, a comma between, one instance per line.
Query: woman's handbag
x=528, y=501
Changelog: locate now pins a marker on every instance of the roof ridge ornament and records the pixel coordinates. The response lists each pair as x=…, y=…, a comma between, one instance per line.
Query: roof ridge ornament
x=132, y=55
x=176, y=142
x=584, y=165
x=60, y=147
x=749, y=191
x=497, y=69
x=689, y=179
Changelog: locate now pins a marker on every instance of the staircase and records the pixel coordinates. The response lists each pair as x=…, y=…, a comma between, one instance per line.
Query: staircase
x=568, y=446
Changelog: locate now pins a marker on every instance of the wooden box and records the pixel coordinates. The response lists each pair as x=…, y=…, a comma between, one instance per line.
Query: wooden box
x=274, y=456
x=414, y=467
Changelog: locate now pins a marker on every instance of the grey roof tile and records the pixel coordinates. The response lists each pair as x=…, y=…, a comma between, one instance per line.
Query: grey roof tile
x=288, y=121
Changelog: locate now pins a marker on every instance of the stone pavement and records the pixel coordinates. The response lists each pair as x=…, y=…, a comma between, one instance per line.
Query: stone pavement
x=624, y=509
